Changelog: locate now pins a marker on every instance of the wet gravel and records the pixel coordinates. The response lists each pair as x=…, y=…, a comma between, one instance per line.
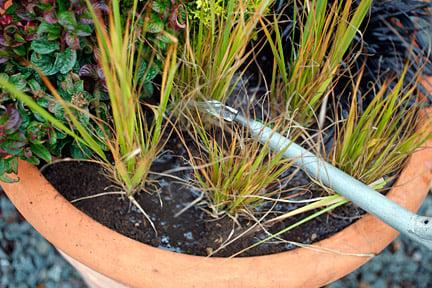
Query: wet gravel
x=27, y=260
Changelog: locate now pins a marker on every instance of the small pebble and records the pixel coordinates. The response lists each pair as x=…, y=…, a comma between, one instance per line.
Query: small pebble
x=313, y=236
x=188, y=235
x=165, y=239
x=209, y=250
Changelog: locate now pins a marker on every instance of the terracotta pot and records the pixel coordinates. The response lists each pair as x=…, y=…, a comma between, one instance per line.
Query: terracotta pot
x=93, y=247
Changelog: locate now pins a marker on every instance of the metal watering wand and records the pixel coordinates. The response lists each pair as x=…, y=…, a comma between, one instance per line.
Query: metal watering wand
x=418, y=228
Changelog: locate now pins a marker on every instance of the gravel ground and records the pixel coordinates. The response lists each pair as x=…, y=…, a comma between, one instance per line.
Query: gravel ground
x=27, y=260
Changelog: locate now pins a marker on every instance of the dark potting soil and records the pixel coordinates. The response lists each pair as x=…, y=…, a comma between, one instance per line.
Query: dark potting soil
x=194, y=231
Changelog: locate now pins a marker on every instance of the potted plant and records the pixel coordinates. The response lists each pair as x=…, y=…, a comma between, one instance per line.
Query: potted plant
x=108, y=95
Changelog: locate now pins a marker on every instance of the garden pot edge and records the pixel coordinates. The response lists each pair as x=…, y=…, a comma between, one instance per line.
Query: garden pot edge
x=139, y=265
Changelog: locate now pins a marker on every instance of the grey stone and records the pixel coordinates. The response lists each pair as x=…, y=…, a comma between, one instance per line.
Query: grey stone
x=55, y=273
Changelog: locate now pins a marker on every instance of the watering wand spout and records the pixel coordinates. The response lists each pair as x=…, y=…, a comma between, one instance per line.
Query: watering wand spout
x=418, y=228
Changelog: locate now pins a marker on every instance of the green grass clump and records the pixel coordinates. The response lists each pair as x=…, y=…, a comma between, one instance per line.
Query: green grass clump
x=235, y=172
x=136, y=141
x=132, y=139
x=374, y=143
x=216, y=47
x=326, y=33
x=371, y=144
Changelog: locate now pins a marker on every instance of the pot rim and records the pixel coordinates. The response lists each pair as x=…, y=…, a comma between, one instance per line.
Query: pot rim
x=140, y=265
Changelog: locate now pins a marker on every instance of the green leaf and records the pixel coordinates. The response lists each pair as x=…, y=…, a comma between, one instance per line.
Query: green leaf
x=19, y=81
x=41, y=152
x=85, y=137
x=148, y=90
x=65, y=61
x=52, y=138
x=34, y=85
x=159, y=6
x=67, y=20
x=60, y=135
x=148, y=74
x=43, y=102
x=63, y=5
x=43, y=46
x=20, y=51
x=33, y=160
x=7, y=179
x=79, y=151
x=2, y=166
x=19, y=38
x=36, y=132
x=68, y=86
x=58, y=111
x=45, y=63
x=53, y=31
x=12, y=147
x=8, y=166
x=164, y=39
x=84, y=30
x=156, y=25
x=13, y=165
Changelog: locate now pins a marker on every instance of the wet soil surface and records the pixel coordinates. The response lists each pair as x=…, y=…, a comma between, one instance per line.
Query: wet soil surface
x=194, y=231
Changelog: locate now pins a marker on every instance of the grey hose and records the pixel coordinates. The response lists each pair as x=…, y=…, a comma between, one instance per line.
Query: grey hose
x=418, y=228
